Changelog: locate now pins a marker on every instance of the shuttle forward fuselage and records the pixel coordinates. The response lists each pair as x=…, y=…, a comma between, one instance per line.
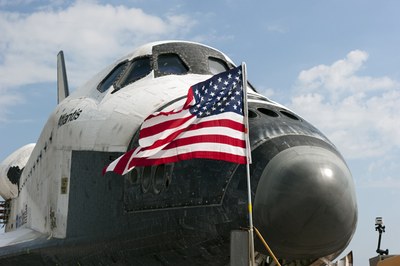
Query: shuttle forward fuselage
x=178, y=213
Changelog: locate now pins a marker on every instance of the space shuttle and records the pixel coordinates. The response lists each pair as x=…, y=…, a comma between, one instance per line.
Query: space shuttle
x=59, y=209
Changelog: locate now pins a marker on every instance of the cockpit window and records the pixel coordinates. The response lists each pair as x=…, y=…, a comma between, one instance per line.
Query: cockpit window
x=171, y=64
x=217, y=65
x=137, y=69
x=112, y=77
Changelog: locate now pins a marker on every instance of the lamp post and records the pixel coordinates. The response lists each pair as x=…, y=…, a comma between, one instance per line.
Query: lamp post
x=381, y=229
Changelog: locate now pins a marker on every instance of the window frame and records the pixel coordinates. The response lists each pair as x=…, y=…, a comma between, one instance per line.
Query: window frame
x=125, y=64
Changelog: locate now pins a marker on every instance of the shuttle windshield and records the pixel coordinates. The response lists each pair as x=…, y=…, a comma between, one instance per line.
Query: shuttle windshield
x=111, y=78
x=139, y=68
x=175, y=58
x=216, y=65
x=171, y=64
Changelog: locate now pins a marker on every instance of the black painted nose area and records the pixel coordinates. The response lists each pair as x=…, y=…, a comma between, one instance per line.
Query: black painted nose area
x=305, y=203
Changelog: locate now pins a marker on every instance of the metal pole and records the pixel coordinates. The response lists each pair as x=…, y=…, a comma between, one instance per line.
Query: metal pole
x=379, y=242
x=248, y=155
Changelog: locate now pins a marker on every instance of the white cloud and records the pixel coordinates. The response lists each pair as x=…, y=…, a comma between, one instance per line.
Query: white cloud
x=92, y=36
x=276, y=28
x=269, y=92
x=340, y=78
x=7, y=100
x=358, y=113
x=386, y=182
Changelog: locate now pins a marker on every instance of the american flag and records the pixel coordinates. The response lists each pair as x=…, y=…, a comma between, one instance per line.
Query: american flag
x=209, y=125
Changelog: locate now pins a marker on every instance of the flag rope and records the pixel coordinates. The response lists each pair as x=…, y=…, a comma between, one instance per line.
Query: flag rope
x=267, y=247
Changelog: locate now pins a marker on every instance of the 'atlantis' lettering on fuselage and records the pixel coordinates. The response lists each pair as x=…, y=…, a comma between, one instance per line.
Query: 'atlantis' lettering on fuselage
x=66, y=118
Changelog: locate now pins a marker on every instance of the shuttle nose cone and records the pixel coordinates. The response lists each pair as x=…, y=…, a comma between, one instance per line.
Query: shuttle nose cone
x=305, y=204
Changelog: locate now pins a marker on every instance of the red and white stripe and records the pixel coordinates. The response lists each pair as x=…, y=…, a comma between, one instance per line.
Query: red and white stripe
x=218, y=137
x=167, y=137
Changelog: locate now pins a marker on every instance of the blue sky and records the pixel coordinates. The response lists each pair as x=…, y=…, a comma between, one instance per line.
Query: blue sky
x=336, y=63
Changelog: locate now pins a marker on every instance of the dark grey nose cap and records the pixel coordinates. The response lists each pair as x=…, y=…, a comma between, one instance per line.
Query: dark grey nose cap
x=305, y=203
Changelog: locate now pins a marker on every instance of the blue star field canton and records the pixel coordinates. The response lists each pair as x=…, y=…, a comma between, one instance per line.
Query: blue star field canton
x=222, y=93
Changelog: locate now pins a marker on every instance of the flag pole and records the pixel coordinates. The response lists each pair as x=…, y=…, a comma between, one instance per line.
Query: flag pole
x=248, y=155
